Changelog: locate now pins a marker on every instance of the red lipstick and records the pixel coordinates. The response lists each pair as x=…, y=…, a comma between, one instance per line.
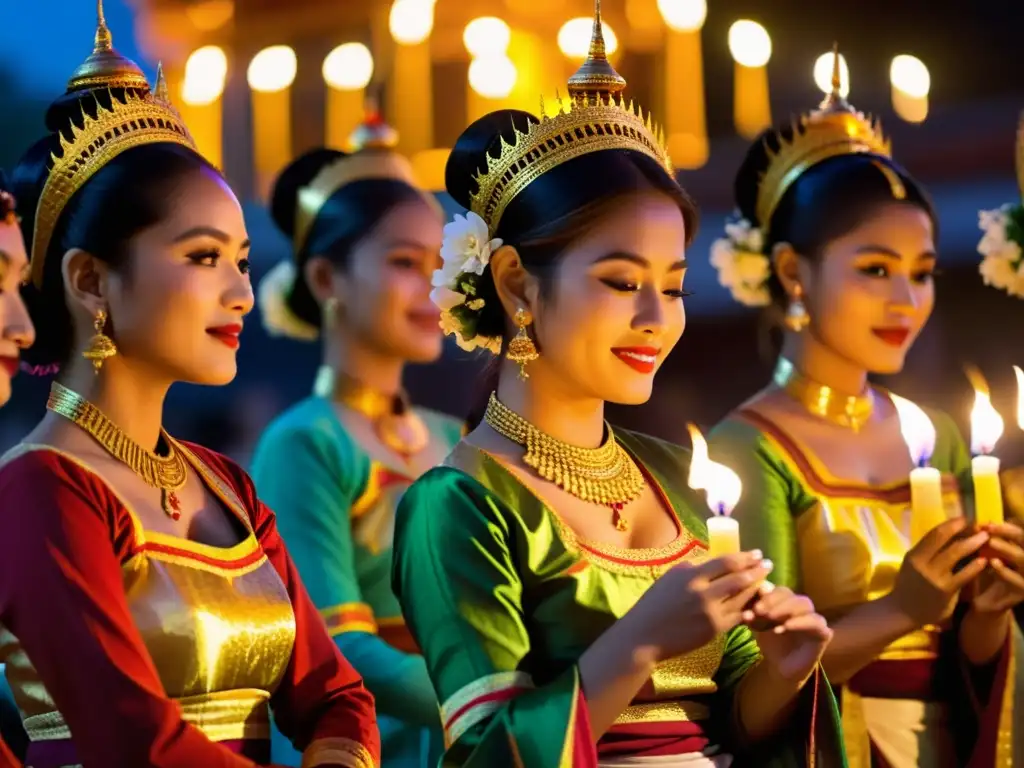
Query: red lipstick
x=9, y=364
x=895, y=337
x=226, y=334
x=642, y=359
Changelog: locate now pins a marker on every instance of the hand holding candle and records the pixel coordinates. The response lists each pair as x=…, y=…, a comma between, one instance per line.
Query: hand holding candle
x=926, y=508
x=986, y=429
x=723, y=488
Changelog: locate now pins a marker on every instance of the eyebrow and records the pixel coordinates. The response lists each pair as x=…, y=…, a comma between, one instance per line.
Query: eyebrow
x=213, y=232
x=406, y=243
x=640, y=261
x=876, y=250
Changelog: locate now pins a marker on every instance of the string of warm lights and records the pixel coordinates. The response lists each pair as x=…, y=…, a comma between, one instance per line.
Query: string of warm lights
x=499, y=73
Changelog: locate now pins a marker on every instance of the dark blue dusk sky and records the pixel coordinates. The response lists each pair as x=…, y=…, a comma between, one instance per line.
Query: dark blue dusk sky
x=42, y=41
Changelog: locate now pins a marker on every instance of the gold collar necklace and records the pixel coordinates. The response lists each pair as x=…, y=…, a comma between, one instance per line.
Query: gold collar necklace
x=606, y=475
x=850, y=411
x=168, y=473
x=394, y=422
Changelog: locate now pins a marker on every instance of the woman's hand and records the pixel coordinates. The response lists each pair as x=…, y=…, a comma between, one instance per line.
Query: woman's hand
x=796, y=641
x=928, y=583
x=1002, y=588
x=689, y=605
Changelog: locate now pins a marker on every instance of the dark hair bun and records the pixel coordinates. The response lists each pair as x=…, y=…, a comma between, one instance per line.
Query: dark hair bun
x=755, y=163
x=296, y=175
x=469, y=156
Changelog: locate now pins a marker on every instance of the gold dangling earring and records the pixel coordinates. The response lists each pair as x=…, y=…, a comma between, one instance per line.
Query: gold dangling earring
x=521, y=349
x=101, y=347
x=796, y=313
x=330, y=312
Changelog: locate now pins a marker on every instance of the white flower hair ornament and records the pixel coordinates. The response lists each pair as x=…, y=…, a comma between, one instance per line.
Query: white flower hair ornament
x=1002, y=246
x=742, y=265
x=465, y=254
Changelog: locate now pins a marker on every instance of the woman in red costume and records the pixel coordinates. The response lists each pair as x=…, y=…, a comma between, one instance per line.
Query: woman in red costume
x=150, y=614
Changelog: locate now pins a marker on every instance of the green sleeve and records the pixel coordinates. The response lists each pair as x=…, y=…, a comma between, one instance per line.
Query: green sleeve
x=310, y=477
x=457, y=558
x=772, y=497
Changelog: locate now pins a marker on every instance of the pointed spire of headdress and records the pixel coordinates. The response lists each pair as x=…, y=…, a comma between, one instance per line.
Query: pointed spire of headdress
x=105, y=67
x=834, y=101
x=373, y=132
x=160, y=90
x=596, y=79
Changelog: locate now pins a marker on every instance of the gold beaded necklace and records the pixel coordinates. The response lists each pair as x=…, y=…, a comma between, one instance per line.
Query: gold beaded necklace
x=395, y=423
x=168, y=473
x=851, y=411
x=606, y=475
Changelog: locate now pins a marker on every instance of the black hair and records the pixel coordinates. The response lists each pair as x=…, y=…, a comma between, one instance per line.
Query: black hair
x=826, y=202
x=344, y=220
x=553, y=211
x=126, y=196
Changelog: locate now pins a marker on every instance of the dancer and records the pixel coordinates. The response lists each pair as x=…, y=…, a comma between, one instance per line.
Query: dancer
x=333, y=467
x=838, y=244
x=151, y=614
x=555, y=571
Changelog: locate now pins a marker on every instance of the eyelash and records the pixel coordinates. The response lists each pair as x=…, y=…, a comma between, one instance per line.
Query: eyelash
x=403, y=262
x=632, y=287
x=921, y=277
x=213, y=257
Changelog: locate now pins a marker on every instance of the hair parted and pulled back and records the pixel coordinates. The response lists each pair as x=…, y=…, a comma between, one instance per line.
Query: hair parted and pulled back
x=826, y=201
x=129, y=194
x=350, y=214
x=557, y=208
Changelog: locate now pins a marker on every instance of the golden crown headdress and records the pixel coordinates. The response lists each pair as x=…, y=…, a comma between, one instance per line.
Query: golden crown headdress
x=142, y=116
x=598, y=118
x=834, y=128
x=373, y=143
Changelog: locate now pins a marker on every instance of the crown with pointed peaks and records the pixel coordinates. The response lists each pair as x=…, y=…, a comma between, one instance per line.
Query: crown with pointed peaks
x=139, y=116
x=598, y=118
x=373, y=157
x=834, y=128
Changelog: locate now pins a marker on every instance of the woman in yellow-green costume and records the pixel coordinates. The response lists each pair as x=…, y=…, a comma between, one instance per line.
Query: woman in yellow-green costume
x=838, y=242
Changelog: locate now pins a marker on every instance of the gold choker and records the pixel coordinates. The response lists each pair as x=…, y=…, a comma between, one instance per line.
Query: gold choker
x=168, y=473
x=394, y=422
x=850, y=411
x=605, y=475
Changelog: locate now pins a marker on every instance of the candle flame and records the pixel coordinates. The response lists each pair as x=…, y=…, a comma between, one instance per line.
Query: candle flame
x=918, y=430
x=1020, y=396
x=986, y=423
x=722, y=486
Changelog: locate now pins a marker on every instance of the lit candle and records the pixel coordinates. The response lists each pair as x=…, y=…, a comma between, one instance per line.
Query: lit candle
x=723, y=488
x=926, y=507
x=986, y=429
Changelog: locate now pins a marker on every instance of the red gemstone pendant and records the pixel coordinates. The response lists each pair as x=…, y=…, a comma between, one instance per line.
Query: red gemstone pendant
x=620, y=522
x=171, y=505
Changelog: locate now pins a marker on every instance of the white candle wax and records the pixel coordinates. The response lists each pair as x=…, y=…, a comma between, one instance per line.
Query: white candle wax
x=927, y=509
x=988, y=494
x=723, y=535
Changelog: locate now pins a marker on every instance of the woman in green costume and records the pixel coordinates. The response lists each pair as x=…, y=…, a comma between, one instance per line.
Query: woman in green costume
x=839, y=243
x=333, y=466
x=555, y=571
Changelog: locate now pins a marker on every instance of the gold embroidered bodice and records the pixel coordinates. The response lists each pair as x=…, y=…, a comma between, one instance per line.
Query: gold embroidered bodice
x=217, y=623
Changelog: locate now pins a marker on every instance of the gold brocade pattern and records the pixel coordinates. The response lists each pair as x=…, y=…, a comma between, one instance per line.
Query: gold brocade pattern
x=216, y=621
x=664, y=712
x=852, y=542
